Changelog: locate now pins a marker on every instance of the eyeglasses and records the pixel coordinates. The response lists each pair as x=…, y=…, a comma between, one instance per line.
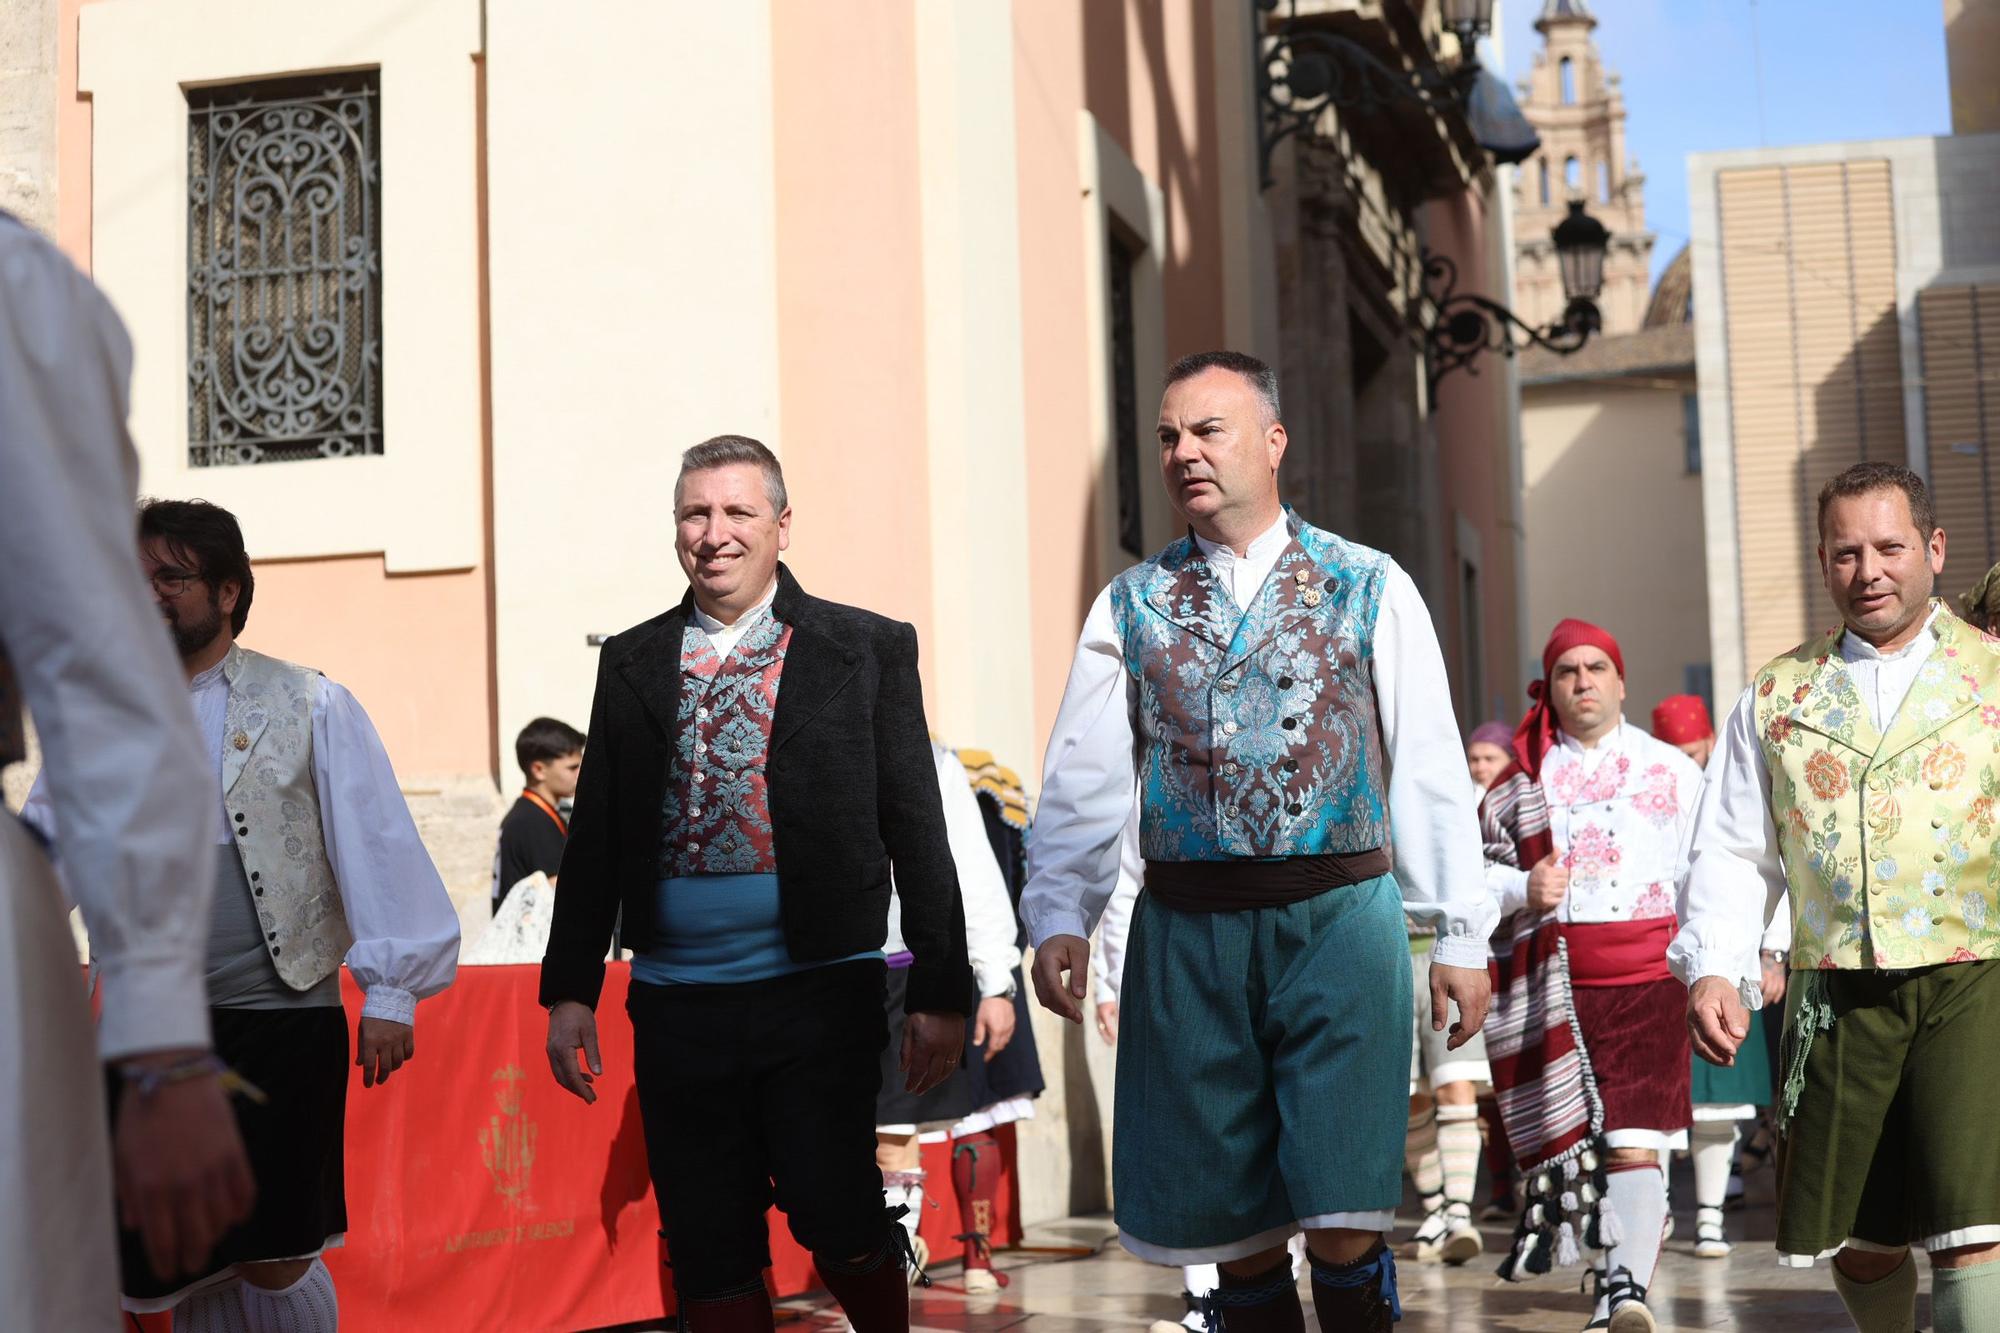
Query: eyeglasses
x=172, y=582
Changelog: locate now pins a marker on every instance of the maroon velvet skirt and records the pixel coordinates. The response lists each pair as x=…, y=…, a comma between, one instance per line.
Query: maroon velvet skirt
x=1637, y=1040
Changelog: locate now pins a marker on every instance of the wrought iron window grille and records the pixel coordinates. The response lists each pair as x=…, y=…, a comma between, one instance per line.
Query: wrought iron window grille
x=284, y=270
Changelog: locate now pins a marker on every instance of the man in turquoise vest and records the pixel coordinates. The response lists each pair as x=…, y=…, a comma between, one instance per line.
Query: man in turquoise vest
x=1860, y=770
x=1277, y=697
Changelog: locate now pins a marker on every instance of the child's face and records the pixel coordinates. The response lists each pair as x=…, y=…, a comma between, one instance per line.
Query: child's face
x=559, y=775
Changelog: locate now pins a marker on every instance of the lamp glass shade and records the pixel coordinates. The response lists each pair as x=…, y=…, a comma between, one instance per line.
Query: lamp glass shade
x=1473, y=17
x=1581, y=241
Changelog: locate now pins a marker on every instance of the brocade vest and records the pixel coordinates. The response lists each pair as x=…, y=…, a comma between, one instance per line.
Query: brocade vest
x=717, y=815
x=1887, y=840
x=1257, y=726
x=272, y=802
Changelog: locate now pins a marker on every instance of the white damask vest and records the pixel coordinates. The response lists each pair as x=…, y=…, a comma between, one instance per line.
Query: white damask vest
x=273, y=807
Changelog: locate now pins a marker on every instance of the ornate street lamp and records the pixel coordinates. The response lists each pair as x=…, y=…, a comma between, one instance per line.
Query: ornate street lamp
x=1303, y=70
x=1468, y=324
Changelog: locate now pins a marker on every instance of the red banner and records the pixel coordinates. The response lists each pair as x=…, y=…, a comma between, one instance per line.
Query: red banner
x=481, y=1195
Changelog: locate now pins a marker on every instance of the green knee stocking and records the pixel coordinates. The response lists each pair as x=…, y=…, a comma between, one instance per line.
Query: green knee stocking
x=1887, y=1305
x=1965, y=1299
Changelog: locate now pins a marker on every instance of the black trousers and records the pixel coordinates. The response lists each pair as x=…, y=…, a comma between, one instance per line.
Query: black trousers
x=758, y=1093
x=294, y=1139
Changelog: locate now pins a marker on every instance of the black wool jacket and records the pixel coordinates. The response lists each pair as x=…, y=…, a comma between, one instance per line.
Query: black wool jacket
x=853, y=791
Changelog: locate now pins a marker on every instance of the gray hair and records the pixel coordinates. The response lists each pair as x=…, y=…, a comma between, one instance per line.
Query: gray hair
x=1262, y=378
x=725, y=450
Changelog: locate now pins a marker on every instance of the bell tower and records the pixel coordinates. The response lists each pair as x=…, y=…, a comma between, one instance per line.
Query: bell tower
x=1577, y=108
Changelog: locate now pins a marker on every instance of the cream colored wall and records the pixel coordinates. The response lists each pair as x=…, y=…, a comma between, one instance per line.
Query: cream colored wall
x=419, y=502
x=1615, y=527
x=365, y=565
x=634, y=311
x=975, y=400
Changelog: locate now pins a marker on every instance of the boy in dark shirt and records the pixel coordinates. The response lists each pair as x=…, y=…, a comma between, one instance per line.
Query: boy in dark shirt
x=532, y=835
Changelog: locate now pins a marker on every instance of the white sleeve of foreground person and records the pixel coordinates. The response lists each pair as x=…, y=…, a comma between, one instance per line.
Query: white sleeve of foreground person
x=1088, y=787
x=127, y=783
x=1440, y=862
x=1734, y=880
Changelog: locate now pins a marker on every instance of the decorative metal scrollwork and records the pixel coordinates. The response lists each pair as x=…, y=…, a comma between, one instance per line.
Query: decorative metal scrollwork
x=284, y=273
x=1302, y=70
x=1467, y=324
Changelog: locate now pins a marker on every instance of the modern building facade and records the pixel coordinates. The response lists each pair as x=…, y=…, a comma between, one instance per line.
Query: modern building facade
x=1847, y=303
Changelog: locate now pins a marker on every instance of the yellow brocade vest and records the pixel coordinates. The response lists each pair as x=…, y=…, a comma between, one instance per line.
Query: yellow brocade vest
x=1888, y=840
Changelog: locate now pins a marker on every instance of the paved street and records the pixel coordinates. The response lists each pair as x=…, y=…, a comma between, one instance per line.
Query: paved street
x=1110, y=1290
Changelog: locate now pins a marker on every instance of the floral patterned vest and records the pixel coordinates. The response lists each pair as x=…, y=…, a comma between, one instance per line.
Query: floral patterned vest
x=718, y=807
x=1887, y=840
x=1257, y=726
x=272, y=802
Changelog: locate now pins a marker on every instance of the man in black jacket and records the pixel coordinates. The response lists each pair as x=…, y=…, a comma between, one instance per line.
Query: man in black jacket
x=748, y=832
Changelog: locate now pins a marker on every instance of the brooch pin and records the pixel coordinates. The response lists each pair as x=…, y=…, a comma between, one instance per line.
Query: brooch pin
x=242, y=740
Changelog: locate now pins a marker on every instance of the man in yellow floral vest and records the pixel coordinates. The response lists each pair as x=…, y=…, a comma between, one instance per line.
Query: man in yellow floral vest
x=1860, y=769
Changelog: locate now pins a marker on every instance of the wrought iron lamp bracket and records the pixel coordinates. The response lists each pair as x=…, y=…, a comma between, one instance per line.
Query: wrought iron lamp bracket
x=1303, y=71
x=1466, y=324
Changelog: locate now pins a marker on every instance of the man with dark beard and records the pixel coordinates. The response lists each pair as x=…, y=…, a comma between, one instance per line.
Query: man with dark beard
x=327, y=867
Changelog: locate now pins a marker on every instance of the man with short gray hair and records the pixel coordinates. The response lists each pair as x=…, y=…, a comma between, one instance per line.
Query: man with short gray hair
x=758, y=763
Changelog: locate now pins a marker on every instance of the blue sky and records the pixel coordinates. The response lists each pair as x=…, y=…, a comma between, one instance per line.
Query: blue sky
x=1836, y=69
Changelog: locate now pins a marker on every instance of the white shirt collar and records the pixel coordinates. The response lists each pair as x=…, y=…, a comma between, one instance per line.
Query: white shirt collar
x=207, y=678
x=1264, y=545
x=1854, y=648
x=712, y=627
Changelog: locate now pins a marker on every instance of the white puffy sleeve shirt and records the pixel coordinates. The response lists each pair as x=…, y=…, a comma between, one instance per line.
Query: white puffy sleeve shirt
x=405, y=928
x=121, y=762
x=990, y=928
x=1089, y=775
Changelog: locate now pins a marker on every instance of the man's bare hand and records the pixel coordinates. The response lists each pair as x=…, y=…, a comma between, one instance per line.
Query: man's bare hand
x=932, y=1045
x=182, y=1177
x=993, y=1025
x=382, y=1046
x=1773, y=982
x=1060, y=955
x=1471, y=989
x=1717, y=1020
x=573, y=1029
x=1548, y=884
x=1107, y=1022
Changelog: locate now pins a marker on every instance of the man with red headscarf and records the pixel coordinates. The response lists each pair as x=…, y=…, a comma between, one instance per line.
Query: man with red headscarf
x=1585, y=834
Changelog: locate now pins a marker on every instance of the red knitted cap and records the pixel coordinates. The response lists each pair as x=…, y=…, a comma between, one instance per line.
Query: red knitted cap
x=1682, y=719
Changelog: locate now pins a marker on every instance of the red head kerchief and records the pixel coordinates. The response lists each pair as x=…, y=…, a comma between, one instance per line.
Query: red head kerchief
x=1536, y=735
x=1682, y=719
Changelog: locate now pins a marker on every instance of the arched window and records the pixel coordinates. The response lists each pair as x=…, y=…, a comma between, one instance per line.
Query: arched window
x=1543, y=163
x=1604, y=182
x=1567, y=70
x=1572, y=175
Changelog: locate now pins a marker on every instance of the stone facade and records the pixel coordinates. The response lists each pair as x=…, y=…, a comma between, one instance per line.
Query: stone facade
x=28, y=111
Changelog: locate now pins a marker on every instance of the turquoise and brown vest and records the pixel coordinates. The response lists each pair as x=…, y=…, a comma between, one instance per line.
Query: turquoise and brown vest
x=1257, y=725
x=1887, y=838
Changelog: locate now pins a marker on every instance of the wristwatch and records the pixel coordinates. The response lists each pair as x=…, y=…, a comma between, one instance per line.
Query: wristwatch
x=1781, y=957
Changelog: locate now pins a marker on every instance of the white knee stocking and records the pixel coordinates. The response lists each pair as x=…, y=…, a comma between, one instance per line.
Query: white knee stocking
x=216, y=1309
x=1635, y=1195
x=307, y=1306
x=1712, y=1143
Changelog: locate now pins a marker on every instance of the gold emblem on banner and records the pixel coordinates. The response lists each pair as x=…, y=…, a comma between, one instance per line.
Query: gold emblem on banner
x=507, y=1143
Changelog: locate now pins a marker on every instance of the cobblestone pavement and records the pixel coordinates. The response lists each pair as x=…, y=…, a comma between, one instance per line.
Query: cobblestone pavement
x=1111, y=1290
